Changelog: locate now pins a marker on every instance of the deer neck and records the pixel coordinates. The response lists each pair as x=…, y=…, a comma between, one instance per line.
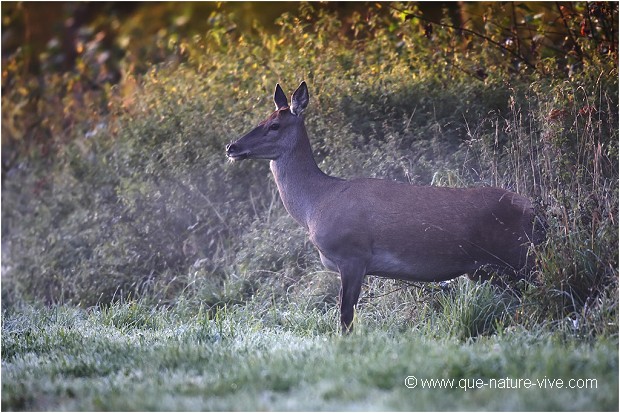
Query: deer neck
x=300, y=181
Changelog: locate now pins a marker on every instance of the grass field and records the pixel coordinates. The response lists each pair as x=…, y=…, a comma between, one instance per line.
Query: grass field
x=143, y=271
x=127, y=357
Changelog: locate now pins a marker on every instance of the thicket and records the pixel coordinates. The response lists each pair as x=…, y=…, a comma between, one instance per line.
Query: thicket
x=116, y=189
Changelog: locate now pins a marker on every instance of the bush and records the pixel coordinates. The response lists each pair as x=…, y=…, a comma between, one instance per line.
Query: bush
x=135, y=198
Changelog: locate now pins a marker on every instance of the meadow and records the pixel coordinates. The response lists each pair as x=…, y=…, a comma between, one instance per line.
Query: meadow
x=132, y=358
x=143, y=271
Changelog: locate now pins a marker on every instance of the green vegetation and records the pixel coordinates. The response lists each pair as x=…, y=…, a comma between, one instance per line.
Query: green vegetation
x=131, y=357
x=141, y=270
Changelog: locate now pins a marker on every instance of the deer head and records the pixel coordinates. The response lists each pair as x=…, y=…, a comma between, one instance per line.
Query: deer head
x=278, y=133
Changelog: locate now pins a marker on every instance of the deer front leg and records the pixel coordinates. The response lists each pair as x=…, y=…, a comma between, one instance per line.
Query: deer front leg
x=351, y=277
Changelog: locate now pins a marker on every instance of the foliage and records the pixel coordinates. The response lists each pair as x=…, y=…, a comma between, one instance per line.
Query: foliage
x=518, y=37
x=119, y=188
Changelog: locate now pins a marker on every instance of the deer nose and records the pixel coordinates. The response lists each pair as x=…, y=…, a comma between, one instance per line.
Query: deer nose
x=231, y=147
x=236, y=152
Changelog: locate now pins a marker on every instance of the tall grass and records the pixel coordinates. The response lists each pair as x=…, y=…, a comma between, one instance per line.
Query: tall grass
x=139, y=200
x=563, y=151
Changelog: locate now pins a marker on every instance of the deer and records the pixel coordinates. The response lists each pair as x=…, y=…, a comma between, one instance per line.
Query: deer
x=390, y=229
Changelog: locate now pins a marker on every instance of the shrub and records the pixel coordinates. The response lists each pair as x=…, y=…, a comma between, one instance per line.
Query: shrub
x=131, y=195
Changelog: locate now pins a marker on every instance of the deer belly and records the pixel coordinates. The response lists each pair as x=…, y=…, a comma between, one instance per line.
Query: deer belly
x=329, y=264
x=428, y=268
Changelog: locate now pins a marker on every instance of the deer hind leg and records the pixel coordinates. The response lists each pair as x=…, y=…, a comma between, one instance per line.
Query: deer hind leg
x=351, y=277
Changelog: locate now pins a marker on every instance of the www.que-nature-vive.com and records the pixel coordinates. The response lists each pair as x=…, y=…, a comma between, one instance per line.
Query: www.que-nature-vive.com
x=509, y=383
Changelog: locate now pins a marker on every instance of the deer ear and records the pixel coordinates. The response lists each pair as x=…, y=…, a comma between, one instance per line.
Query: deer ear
x=300, y=99
x=279, y=98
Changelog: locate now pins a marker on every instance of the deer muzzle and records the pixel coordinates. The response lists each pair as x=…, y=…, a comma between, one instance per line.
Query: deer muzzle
x=234, y=152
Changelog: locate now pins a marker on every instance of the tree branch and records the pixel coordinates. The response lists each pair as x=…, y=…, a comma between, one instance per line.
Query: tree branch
x=570, y=32
x=463, y=29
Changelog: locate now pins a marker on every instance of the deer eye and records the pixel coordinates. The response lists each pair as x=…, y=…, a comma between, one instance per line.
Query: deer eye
x=274, y=126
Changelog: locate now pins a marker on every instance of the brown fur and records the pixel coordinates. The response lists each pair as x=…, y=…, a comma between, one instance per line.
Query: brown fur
x=385, y=228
